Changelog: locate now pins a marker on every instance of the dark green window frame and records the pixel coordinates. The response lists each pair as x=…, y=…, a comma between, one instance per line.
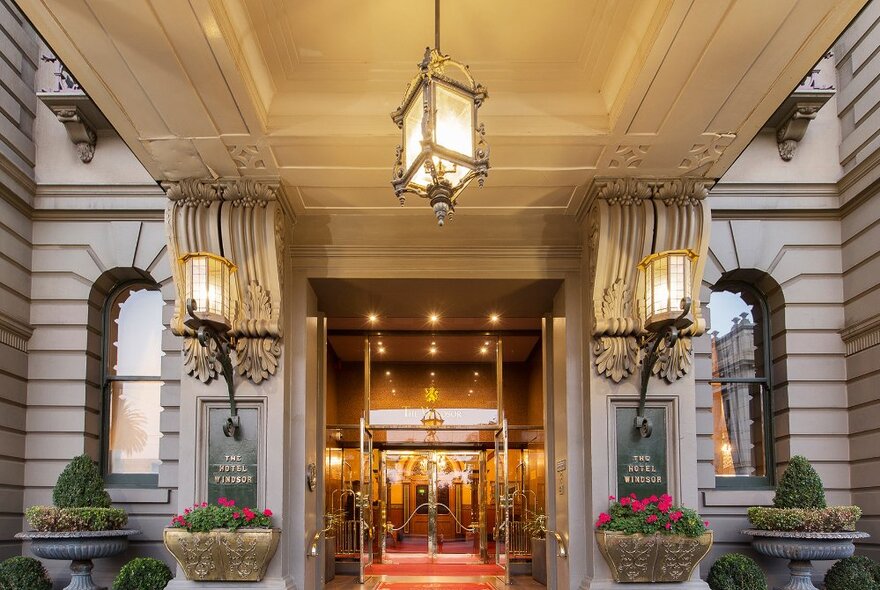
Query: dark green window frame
x=118, y=480
x=767, y=481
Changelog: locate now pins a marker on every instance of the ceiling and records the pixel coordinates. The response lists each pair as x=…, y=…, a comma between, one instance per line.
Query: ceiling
x=302, y=91
x=460, y=304
x=447, y=348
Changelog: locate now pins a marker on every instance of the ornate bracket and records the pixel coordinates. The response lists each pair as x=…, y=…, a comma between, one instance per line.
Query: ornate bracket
x=245, y=217
x=79, y=129
x=628, y=219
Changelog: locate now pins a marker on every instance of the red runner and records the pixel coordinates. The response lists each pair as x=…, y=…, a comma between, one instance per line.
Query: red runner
x=434, y=569
x=433, y=586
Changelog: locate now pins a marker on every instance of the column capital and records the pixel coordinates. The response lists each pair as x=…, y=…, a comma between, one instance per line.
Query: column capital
x=624, y=220
x=241, y=219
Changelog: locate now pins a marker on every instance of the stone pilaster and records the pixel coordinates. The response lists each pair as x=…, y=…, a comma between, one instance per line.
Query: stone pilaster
x=625, y=220
x=241, y=219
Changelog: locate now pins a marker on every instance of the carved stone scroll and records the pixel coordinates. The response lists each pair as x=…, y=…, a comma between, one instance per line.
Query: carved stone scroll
x=242, y=220
x=629, y=219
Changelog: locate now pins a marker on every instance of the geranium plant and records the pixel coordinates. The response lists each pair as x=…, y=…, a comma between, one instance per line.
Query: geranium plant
x=204, y=517
x=651, y=515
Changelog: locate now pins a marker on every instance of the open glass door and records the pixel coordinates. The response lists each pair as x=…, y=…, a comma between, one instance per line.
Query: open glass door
x=365, y=499
x=503, y=501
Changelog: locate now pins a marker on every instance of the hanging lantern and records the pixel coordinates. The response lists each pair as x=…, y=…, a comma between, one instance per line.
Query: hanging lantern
x=668, y=282
x=210, y=290
x=442, y=147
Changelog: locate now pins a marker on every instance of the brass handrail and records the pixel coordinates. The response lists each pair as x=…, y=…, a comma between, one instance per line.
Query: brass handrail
x=313, y=550
x=561, y=547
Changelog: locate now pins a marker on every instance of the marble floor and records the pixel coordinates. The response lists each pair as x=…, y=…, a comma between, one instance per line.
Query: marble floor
x=350, y=582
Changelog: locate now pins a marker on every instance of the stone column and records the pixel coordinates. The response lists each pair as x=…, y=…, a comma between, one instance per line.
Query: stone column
x=627, y=219
x=241, y=219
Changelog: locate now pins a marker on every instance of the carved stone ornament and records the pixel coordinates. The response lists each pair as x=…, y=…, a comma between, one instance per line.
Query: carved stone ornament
x=79, y=129
x=628, y=216
x=246, y=218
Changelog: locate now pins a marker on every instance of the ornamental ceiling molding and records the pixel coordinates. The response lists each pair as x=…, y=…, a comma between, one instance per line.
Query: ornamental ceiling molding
x=243, y=220
x=628, y=219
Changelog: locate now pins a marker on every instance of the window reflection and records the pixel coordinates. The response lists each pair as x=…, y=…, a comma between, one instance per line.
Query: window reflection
x=740, y=388
x=133, y=385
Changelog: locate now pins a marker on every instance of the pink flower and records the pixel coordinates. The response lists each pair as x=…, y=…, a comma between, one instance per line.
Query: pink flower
x=248, y=514
x=625, y=501
x=706, y=522
x=612, y=498
x=222, y=501
x=230, y=503
x=651, y=519
x=664, y=506
x=186, y=510
x=633, y=496
x=604, y=518
x=268, y=512
x=204, y=504
x=666, y=498
x=668, y=525
x=676, y=516
x=235, y=515
x=653, y=499
x=637, y=506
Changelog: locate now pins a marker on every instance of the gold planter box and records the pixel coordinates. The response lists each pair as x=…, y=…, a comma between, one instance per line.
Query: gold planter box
x=221, y=555
x=642, y=558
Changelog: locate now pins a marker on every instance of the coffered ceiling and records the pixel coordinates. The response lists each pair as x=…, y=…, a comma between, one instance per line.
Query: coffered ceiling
x=302, y=90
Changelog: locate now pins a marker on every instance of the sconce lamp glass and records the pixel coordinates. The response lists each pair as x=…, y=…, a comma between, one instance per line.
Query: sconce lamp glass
x=211, y=288
x=668, y=280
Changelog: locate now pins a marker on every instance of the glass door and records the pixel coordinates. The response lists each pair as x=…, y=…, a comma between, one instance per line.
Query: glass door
x=364, y=500
x=503, y=501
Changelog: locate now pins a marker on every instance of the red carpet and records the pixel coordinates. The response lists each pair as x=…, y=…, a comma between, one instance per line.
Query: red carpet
x=432, y=586
x=434, y=569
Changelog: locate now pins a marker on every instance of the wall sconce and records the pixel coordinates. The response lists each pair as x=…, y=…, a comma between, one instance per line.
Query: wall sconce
x=667, y=283
x=211, y=296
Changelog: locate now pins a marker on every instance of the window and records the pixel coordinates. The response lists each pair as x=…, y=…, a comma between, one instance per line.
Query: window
x=132, y=385
x=741, y=393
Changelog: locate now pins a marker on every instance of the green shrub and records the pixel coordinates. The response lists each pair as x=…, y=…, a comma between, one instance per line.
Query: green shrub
x=80, y=485
x=50, y=518
x=853, y=573
x=800, y=486
x=736, y=572
x=24, y=573
x=143, y=573
x=825, y=520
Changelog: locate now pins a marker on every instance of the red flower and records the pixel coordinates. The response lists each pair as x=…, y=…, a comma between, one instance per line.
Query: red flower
x=604, y=518
x=230, y=503
x=204, y=504
x=633, y=496
x=664, y=506
x=235, y=515
x=248, y=514
x=651, y=519
x=267, y=512
x=612, y=498
x=676, y=516
x=186, y=510
x=706, y=522
x=653, y=499
x=625, y=501
x=668, y=525
x=637, y=506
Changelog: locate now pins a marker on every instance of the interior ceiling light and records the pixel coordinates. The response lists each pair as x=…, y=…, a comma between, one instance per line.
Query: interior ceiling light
x=434, y=318
x=442, y=147
x=373, y=318
x=494, y=318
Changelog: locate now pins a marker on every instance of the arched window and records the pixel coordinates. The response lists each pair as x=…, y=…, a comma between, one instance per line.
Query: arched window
x=132, y=385
x=741, y=387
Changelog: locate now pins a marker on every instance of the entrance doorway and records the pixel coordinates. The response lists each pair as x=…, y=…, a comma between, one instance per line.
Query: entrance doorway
x=434, y=459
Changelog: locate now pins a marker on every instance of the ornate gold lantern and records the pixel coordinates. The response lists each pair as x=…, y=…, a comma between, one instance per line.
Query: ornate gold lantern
x=442, y=147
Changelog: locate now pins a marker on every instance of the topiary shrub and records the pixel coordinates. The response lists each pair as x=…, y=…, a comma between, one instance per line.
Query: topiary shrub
x=80, y=485
x=143, y=573
x=24, y=573
x=50, y=518
x=825, y=520
x=736, y=572
x=800, y=486
x=853, y=573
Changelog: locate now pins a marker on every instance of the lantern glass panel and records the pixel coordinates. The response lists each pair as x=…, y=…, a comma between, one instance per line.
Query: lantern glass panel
x=210, y=281
x=412, y=130
x=454, y=129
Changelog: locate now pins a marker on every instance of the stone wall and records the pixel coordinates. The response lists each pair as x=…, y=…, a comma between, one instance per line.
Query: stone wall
x=19, y=53
x=859, y=73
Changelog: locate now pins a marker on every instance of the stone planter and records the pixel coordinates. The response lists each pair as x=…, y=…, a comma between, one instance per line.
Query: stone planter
x=80, y=547
x=221, y=555
x=801, y=549
x=642, y=558
x=539, y=560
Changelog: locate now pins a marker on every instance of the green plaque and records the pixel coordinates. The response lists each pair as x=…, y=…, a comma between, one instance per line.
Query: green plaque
x=641, y=462
x=232, y=462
